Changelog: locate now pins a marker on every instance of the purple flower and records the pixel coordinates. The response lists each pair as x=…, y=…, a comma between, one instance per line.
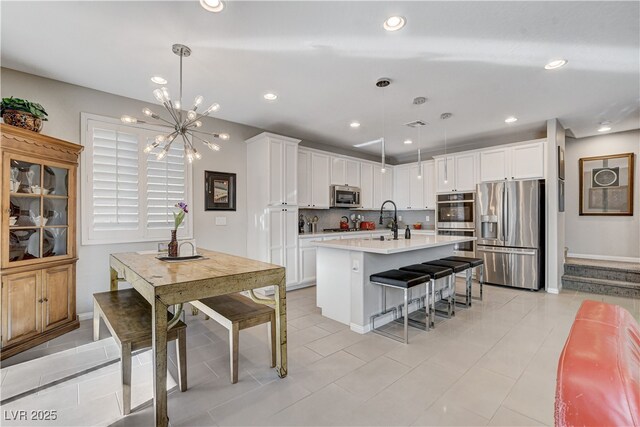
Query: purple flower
x=183, y=206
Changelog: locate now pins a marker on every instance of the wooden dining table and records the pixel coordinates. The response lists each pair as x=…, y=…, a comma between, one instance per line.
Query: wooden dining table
x=164, y=284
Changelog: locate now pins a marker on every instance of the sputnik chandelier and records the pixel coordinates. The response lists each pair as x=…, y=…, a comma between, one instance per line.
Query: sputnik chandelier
x=180, y=125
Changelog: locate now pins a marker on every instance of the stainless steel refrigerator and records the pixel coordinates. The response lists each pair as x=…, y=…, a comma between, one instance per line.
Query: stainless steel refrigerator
x=511, y=232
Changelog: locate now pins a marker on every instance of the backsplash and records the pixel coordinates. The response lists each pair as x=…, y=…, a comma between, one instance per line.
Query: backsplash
x=330, y=218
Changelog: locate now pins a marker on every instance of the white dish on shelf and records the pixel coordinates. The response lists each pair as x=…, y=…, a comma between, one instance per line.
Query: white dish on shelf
x=14, y=186
x=40, y=221
x=13, y=220
x=36, y=189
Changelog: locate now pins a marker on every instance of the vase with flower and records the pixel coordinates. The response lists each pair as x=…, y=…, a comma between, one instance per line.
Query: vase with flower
x=178, y=218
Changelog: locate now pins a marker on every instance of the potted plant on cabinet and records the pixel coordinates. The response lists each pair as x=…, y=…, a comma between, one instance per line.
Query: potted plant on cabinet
x=22, y=113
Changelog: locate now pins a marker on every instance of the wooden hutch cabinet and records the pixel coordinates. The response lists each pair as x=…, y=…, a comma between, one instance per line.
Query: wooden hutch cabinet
x=38, y=238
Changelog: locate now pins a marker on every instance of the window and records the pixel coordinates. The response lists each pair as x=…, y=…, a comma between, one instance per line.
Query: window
x=128, y=195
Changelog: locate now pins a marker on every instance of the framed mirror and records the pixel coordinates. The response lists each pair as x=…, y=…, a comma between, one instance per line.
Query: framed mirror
x=219, y=191
x=606, y=185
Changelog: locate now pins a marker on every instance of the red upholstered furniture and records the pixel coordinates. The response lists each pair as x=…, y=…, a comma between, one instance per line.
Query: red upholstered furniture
x=598, y=381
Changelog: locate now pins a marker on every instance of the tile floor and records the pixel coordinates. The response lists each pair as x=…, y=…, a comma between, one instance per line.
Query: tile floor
x=493, y=364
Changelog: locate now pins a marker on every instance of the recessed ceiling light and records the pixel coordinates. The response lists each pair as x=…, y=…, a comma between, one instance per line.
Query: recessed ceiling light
x=394, y=23
x=354, y=124
x=511, y=119
x=408, y=141
x=604, y=128
x=270, y=96
x=159, y=80
x=557, y=63
x=212, y=5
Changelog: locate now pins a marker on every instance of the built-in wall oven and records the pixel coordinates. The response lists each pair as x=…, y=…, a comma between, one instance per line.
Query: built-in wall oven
x=455, y=216
x=456, y=210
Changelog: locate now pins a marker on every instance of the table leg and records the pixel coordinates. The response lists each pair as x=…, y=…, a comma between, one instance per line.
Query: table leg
x=159, y=343
x=281, y=328
x=114, y=279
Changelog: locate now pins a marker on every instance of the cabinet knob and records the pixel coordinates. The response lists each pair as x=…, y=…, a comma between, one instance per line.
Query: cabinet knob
x=46, y=299
x=40, y=300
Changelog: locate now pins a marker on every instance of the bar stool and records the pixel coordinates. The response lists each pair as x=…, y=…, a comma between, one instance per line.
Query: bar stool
x=397, y=279
x=457, y=267
x=434, y=272
x=475, y=263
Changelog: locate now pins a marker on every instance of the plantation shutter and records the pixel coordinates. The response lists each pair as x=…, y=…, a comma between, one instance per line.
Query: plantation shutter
x=115, y=180
x=166, y=186
x=128, y=195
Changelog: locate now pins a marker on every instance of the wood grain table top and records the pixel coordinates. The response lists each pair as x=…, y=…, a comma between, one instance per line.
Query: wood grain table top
x=215, y=265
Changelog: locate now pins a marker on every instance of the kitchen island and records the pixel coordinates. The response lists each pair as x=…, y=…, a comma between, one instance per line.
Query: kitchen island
x=343, y=268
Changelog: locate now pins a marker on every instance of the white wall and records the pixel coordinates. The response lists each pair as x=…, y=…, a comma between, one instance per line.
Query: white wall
x=603, y=236
x=555, y=219
x=65, y=102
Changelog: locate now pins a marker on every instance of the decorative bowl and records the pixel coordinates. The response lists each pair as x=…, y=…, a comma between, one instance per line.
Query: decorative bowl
x=35, y=189
x=22, y=119
x=417, y=226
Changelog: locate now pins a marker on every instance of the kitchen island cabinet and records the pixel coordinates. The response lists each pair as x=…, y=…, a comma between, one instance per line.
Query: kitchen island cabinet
x=343, y=268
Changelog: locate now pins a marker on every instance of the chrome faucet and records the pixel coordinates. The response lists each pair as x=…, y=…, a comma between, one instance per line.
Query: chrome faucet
x=394, y=226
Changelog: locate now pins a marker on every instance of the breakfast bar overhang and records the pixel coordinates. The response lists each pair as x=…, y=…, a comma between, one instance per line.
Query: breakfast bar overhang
x=343, y=268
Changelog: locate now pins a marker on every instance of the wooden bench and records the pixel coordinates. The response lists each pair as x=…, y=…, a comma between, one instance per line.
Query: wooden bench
x=236, y=312
x=128, y=317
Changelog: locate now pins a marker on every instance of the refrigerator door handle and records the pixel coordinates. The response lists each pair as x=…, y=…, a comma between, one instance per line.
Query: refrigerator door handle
x=496, y=249
x=504, y=213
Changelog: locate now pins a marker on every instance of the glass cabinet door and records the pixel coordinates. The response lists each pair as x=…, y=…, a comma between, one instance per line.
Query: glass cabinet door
x=38, y=210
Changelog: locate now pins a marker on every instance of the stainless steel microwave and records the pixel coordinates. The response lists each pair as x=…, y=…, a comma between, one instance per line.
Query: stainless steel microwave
x=345, y=197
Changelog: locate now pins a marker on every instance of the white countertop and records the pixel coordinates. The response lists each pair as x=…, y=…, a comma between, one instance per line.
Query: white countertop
x=417, y=241
x=356, y=233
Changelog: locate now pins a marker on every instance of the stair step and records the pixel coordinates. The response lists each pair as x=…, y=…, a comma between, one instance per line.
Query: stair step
x=606, y=270
x=601, y=286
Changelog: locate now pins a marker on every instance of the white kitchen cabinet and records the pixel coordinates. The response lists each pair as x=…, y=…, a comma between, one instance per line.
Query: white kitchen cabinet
x=366, y=186
x=429, y=184
x=522, y=161
x=352, y=173
x=272, y=213
x=307, y=258
x=283, y=241
x=494, y=164
x=444, y=174
x=273, y=161
x=345, y=171
x=338, y=171
x=305, y=178
x=401, y=194
x=383, y=186
x=460, y=173
x=313, y=180
x=416, y=187
x=527, y=161
x=320, y=181
x=466, y=171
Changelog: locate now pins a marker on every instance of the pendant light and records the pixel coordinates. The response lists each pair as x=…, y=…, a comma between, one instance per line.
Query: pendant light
x=419, y=159
x=445, y=116
x=179, y=125
x=382, y=83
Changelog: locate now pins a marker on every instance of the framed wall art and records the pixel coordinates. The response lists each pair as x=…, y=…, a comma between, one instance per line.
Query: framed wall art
x=219, y=191
x=606, y=185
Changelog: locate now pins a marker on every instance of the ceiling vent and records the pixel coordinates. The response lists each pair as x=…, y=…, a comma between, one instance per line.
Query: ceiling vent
x=416, y=124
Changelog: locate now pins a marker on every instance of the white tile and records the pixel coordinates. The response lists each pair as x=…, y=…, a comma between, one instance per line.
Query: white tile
x=505, y=417
x=373, y=377
x=480, y=391
x=257, y=405
x=533, y=395
x=327, y=370
x=445, y=413
x=335, y=342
